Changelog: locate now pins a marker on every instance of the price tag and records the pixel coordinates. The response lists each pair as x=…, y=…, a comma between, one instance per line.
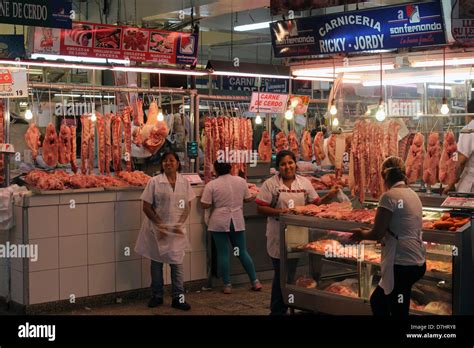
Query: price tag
x=458, y=202
x=17, y=88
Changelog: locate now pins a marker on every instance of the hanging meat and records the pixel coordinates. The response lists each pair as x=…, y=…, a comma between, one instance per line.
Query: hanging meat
x=50, y=146
x=156, y=138
x=127, y=127
x=152, y=117
x=207, y=150
x=448, y=161
x=393, y=129
x=108, y=142
x=137, y=136
x=116, y=142
x=91, y=147
x=306, y=146
x=281, y=142
x=64, y=144
x=138, y=115
x=2, y=140
x=414, y=162
x=101, y=143
x=265, y=148
x=431, y=163
x=85, y=121
x=73, y=149
x=318, y=144
x=293, y=144
x=32, y=138
x=332, y=149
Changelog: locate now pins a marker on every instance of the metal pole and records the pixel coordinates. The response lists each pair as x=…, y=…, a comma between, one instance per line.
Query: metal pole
x=194, y=120
x=6, y=159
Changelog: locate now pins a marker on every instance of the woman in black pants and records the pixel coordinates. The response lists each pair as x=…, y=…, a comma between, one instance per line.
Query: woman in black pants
x=398, y=224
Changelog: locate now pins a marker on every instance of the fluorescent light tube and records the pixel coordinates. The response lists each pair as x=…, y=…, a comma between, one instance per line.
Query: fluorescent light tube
x=328, y=70
x=67, y=95
x=253, y=26
x=160, y=71
x=434, y=63
x=242, y=74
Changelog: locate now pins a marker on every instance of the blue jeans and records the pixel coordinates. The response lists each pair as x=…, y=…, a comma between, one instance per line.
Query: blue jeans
x=237, y=239
x=277, y=304
x=177, y=276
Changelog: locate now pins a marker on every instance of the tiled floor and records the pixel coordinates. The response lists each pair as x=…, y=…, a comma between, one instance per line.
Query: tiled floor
x=242, y=301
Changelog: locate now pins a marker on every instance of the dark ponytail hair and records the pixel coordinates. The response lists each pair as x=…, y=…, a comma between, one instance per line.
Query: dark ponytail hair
x=393, y=171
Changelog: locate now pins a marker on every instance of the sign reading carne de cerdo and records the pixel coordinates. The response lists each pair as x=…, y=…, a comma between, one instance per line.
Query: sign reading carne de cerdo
x=118, y=42
x=38, y=13
x=391, y=27
x=270, y=103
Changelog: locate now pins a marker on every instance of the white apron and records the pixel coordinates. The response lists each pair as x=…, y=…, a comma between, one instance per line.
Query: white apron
x=466, y=181
x=389, y=252
x=168, y=242
x=284, y=200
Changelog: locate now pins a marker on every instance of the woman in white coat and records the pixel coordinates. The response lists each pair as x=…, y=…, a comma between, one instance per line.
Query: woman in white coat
x=166, y=204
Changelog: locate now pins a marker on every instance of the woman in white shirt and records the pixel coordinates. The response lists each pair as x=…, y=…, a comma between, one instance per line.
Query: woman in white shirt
x=398, y=223
x=226, y=195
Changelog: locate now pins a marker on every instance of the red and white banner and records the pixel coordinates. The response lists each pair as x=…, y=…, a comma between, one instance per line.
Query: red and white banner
x=268, y=103
x=117, y=42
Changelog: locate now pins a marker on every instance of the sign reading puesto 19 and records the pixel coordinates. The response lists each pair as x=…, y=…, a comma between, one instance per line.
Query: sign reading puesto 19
x=390, y=27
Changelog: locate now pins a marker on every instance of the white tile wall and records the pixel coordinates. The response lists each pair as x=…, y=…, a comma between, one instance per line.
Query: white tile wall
x=17, y=287
x=197, y=213
x=73, y=281
x=72, y=251
x=44, y=286
x=38, y=200
x=48, y=254
x=127, y=216
x=198, y=265
x=197, y=234
x=126, y=239
x=78, y=198
x=101, y=278
x=129, y=195
x=102, y=197
x=100, y=217
x=17, y=263
x=72, y=221
x=43, y=222
x=101, y=248
x=17, y=231
x=128, y=275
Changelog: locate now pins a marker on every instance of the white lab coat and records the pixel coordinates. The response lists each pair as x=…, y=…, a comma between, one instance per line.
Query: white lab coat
x=168, y=242
x=466, y=147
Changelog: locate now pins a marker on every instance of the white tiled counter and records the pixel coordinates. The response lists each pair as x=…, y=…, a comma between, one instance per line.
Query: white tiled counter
x=86, y=246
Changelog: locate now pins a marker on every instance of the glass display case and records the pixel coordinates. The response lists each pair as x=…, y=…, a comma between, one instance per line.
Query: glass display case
x=323, y=272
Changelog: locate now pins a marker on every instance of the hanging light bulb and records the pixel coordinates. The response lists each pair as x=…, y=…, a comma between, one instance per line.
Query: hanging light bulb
x=444, y=108
x=289, y=114
x=333, y=109
x=160, y=116
x=380, y=114
x=294, y=102
x=28, y=114
x=335, y=122
x=258, y=119
x=93, y=117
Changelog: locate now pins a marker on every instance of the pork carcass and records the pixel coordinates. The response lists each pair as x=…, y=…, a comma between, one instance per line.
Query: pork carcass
x=64, y=144
x=207, y=150
x=448, y=161
x=116, y=142
x=293, y=144
x=73, y=149
x=332, y=149
x=137, y=136
x=91, y=147
x=32, y=138
x=101, y=140
x=265, y=148
x=85, y=120
x=414, y=163
x=156, y=138
x=127, y=127
x=431, y=162
x=108, y=142
x=152, y=117
x=2, y=140
x=281, y=142
x=50, y=146
x=318, y=144
x=306, y=146
x=138, y=115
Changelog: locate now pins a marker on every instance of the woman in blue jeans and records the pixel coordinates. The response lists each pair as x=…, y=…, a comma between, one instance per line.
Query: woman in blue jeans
x=166, y=204
x=226, y=195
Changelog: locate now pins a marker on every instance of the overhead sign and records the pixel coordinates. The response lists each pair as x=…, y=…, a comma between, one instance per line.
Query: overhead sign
x=37, y=13
x=391, y=27
x=268, y=103
x=278, y=7
x=118, y=42
x=250, y=84
x=14, y=84
x=12, y=46
x=462, y=21
x=299, y=103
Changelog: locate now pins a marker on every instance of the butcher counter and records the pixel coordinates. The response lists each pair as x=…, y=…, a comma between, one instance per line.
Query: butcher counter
x=86, y=246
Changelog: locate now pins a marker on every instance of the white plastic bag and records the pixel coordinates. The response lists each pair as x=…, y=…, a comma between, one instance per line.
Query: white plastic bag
x=342, y=197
